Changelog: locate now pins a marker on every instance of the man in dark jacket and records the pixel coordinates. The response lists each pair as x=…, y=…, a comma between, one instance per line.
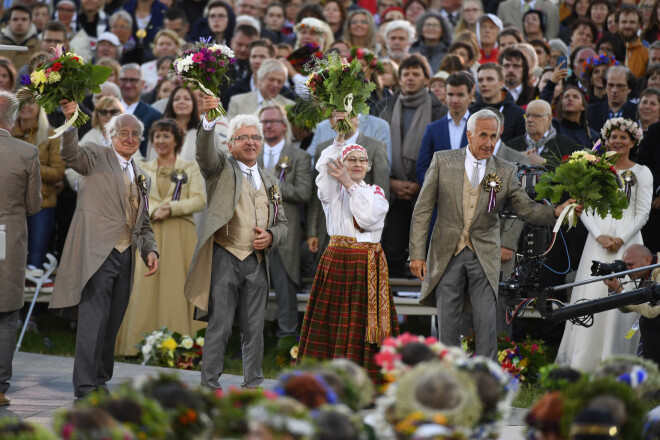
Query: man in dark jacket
x=649, y=155
x=516, y=75
x=491, y=81
x=20, y=31
x=619, y=82
x=409, y=112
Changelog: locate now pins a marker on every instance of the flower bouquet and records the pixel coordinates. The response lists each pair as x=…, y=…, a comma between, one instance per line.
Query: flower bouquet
x=301, y=57
x=204, y=68
x=63, y=76
x=166, y=349
x=335, y=86
x=589, y=177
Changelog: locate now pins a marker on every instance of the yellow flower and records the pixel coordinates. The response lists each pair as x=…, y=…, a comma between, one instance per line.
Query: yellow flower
x=54, y=77
x=169, y=344
x=294, y=352
x=38, y=77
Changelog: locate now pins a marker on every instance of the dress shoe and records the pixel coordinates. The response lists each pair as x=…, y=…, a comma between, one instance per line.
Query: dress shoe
x=4, y=401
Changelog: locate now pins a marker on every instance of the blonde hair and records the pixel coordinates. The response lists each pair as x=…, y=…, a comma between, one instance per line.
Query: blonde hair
x=102, y=104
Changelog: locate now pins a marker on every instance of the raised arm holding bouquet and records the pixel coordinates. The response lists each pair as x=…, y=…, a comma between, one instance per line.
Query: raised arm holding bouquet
x=64, y=76
x=335, y=86
x=204, y=67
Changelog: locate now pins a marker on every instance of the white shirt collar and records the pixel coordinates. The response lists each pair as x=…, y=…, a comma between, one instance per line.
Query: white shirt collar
x=255, y=173
x=464, y=118
x=497, y=147
x=130, y=109
x=469, y=158
x=352, y=139
x=275, y=149
x=253, y=85
x=123, y=163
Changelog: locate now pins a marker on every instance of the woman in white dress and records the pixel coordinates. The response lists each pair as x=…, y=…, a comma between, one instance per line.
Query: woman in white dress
x=583, y=348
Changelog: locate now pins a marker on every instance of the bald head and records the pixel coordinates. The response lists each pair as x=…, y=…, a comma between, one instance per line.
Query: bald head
x=538, y=118
x=638, y=250
x=637, y=256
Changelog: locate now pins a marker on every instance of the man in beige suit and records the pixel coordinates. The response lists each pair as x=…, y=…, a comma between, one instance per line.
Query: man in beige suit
x=110, y=225
x=290, y=166
x=465, y=245
x=20, y=180
x=271, y=77
x=245, y=221
x=511, y=13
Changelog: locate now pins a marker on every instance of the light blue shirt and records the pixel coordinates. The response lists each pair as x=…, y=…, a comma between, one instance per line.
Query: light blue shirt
x=371, y=126
x=456, y=131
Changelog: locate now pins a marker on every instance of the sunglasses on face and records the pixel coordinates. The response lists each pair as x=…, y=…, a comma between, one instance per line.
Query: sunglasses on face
x=111, y=112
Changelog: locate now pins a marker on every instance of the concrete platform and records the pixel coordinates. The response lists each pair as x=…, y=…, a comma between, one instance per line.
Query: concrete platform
x=41, y=385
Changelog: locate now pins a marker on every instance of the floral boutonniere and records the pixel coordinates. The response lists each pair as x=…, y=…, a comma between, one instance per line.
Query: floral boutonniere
x=142, y=186
x=629, y=180
x=492, y=184
x=179, y=177
x=282, y=167
x=275, y=197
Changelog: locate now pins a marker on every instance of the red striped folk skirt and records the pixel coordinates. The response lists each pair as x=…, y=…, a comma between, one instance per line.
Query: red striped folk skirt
x=337, y=317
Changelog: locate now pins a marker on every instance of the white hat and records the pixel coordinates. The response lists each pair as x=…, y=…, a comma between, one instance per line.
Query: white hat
x=110, y=38
x=68, y=2
x=492, y=17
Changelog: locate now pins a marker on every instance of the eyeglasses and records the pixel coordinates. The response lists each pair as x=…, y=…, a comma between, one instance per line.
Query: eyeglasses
x=130, y=80
x=272, y=121
x=354, y=160
x=109, y=112
x=536, y=115
x=359, y=22
x=126, y=135
x=245, y=138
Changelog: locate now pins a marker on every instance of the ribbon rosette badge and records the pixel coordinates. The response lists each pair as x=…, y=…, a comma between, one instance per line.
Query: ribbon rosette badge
x=275, y=198
x=629, y=180
x=179, y=177
x=492, y=184
x=283, y=166
x=142, y=186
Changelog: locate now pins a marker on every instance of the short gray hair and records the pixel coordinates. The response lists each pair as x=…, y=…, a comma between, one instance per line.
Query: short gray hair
x=131, y=66
x=8, y=109
x=270, y=66
x=121, y=15
x=117, y=122
x=481, y=114
x=401, y=24
x=114, y=91
x=559, y=46
x=241, y=121
x=655, y=45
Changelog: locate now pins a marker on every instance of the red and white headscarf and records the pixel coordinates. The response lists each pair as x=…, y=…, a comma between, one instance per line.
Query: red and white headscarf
x=348, y=149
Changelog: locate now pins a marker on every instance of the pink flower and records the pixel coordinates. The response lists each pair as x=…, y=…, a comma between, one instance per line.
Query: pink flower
x=58, y=50
x=198, y=58
x=389, y=342
x=407, y=338
x=430, y=340
x=67, y=430
x=270, y=395
x=359, y=53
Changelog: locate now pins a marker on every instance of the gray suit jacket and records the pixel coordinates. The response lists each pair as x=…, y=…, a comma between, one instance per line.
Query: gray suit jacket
x=224, y=181
x=20, y=180
x=510, y=12
x=444, y=186
x=246, y=104
x=99, y=220
x=378, y=175
x=296, y=186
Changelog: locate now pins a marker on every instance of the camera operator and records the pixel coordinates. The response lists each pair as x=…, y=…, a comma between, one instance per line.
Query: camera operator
x=634, y=257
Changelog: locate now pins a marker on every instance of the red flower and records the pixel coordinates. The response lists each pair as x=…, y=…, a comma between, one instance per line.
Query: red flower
x=319, y=55
x=613, y=170
x=564, y=158
x=57, y=67
x=359, y=53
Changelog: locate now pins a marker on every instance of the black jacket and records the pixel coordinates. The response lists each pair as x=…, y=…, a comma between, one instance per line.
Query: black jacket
x=514, y=116
x=576, y=132
x=553, y=151
x=598, y=113
x=649, y=155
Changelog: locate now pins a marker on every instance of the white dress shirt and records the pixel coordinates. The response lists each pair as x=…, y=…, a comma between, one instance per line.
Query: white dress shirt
x=275, y=151
x=130, y=109
x=523, y=3
x=255, y=173
x=469, y=165
x=364, y=203
x=456, y=132
x=123, y=163
x=515, y=92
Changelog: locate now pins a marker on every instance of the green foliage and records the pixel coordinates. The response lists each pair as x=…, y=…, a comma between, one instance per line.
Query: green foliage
x=588, y=178
x=334, y=86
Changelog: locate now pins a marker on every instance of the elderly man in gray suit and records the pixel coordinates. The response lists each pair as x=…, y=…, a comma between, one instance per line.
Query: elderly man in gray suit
x=465, y=245
x=110, y=225
x=378, y=174
x=20, y=181
x=245, y=222
x=291, y=167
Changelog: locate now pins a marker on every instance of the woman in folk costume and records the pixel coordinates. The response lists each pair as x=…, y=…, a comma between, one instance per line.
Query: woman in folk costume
x=350, y=310
x=158, y=301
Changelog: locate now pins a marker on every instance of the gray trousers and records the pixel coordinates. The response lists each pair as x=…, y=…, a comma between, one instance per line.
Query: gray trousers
x=237, y=287
x=8, y=328
x=285, y=292
x=463, y=269
x=101, y=310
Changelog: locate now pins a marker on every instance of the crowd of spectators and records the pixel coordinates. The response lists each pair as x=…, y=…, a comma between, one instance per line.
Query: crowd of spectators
x=441, y=61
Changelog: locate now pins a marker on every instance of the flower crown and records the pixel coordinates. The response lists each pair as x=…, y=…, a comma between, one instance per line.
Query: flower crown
x=368, y=56
x=312, y=23
x=69, y=431
x=284, y=415
x=622, y=124
x=589, y=65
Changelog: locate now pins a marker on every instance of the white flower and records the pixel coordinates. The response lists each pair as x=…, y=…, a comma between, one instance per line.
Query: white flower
x=146, y=349
x=187, y=342
x=151, y=340
x=200, y=341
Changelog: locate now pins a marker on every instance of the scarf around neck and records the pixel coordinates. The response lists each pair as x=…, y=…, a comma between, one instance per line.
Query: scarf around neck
x=405, y=150
x=540, y=144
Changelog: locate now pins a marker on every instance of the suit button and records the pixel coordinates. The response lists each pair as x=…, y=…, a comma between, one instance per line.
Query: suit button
x=472, y=206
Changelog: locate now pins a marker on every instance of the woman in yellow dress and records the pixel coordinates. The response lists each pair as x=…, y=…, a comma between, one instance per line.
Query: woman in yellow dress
x=177, y=192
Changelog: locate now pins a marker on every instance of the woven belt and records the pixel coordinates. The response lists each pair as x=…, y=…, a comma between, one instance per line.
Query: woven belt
x=378, y=292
